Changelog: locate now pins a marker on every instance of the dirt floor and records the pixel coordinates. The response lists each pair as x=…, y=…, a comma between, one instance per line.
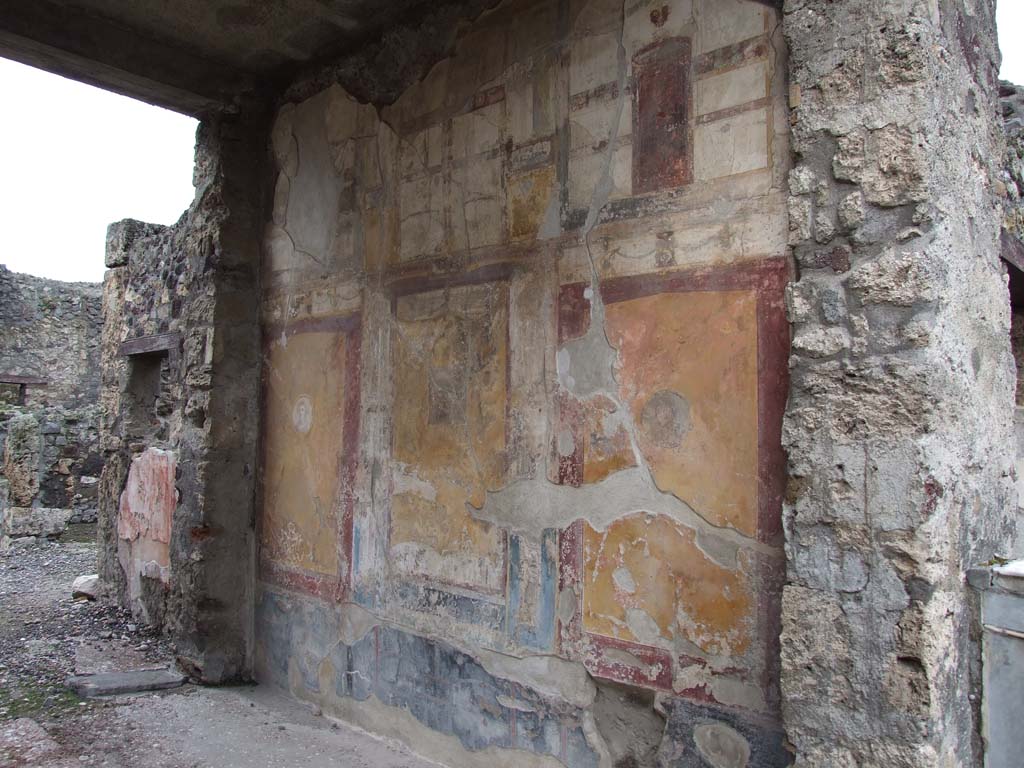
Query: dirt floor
x=46, y=636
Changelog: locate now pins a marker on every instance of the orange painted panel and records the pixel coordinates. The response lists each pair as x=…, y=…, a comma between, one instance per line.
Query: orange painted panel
x=688, y=370
x=303, y=439
x=451, y=388
x=645, y=580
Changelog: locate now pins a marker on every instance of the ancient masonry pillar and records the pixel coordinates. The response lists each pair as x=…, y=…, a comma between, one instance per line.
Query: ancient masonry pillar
x=209, y=420
x=221, y=601
x=900, y=412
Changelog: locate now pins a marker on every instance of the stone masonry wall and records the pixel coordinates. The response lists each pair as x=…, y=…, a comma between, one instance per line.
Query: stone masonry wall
x=1011, y=102
x=1012, y=184
x=51, y=330
x=523, y=379
x=900, y=411
x=180, y=343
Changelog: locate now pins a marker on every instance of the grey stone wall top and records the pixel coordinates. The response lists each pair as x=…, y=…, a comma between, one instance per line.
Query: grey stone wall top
x=51, y=330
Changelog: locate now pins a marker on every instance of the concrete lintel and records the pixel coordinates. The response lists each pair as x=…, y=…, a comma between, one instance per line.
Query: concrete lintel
x=69, y=42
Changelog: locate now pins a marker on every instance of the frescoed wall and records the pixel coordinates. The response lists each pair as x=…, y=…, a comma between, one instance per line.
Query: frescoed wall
x=524, y=374
x=308, y=394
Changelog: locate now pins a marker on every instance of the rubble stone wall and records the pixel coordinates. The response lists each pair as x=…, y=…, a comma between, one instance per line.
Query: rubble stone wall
x=180, y=345
x=1012, y=186
x=50, y=330
x=899, y=423
x=1011, y=104
x=524, y=373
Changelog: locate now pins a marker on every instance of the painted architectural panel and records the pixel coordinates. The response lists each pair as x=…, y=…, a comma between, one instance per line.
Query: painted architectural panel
x=679, y=595
x=662, y=155
x=573, y=375
x=310, y=381
x=646, y=580
x=688, y=370
x=451, y=388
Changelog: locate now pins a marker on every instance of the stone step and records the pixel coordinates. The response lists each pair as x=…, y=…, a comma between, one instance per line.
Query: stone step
x=111, y=683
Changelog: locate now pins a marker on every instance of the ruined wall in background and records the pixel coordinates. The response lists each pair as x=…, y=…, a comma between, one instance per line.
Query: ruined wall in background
x=524, y=373
x=900, y=412
x=180, y=343
x=50, y=330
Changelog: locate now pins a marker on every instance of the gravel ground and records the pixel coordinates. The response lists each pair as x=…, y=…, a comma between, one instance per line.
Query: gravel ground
x=45, y=725
x=41, y=625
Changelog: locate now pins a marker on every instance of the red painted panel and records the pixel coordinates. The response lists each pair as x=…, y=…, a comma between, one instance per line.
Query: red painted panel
x=662, y=142
x=573, y=311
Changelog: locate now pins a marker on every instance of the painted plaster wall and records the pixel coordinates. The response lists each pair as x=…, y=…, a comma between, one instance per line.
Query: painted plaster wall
x=524, y=372
x=144, y=521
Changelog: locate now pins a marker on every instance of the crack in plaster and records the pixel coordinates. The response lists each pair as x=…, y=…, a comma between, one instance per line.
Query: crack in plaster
x=533, y=503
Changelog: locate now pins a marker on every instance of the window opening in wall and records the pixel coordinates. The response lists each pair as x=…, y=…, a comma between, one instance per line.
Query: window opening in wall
x=11, y=394
x=14, y=388
x=149, y=405
x=124, y=158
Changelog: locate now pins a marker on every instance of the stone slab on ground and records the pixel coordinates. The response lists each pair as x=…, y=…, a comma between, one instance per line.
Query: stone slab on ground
x=112, y=683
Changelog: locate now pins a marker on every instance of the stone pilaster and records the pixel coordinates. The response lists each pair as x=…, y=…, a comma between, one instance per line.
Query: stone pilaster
x=900, y=411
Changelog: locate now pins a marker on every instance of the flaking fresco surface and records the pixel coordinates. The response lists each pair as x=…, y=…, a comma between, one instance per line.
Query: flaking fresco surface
x=144, y=520
x=451, y=362
x=646, y=580
x=566, y=246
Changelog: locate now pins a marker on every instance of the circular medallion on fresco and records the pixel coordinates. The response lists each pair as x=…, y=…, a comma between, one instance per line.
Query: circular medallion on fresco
x=302, y=414
x=665, y=419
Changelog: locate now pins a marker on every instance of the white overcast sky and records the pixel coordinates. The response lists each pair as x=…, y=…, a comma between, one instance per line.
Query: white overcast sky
x=75, y=158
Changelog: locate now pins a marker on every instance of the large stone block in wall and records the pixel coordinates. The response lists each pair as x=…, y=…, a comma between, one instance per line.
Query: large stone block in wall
x=121, y=236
